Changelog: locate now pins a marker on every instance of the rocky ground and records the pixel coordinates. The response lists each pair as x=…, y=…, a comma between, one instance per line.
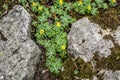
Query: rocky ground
x=93, y=47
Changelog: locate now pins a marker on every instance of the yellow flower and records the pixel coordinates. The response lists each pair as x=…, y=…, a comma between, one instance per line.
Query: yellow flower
x=34, y=4
x=63, y=47
x=89, y=7
x=80, y=2
x=41, y=31
x=58, y=24
x=61, y=2
x=114, y=1
x=40, y=8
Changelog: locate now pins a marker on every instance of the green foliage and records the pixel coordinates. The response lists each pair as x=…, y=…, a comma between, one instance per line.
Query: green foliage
x=76, y=72
x=51, y=23
x=113, y=2
x=54, y=64
x=91, y=7
x=81, y=6
x=5, y=6
x=101, y=4
x=23, y=2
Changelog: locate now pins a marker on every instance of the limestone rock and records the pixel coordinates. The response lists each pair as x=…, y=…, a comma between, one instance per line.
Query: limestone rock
x=111, y=75
x=18, y=53
x=86, y=39
x=117, y=35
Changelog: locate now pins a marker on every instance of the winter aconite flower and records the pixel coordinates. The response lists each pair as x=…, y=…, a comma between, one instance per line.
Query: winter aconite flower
x=34, y=4
x=58, y=24
x=41, y=31
x=89, y=7
x=39, y=8
x=61, y=2
x=63, y=47
x=114, y=1
x=80, y=2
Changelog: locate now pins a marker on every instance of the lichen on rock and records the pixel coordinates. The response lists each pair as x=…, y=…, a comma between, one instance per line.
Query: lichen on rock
x=18, y=53
x=86, y=38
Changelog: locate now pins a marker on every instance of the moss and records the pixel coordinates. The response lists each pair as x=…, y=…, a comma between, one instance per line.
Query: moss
x=85, y=69
x=112, y=62
x=69, y=68
x=107, y=19
x=114, y=59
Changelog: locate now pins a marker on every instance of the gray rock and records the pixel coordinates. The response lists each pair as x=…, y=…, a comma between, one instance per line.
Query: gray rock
x=111, y=75
x=107, y=75
x=86, y=39
x=18, y=53
x=116, y=35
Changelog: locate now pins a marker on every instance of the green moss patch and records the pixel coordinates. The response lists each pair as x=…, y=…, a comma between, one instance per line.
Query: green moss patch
x=108, y=19
x=84, y=69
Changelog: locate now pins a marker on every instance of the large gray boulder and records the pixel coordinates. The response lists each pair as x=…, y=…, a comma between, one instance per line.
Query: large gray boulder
x=18, y=53
x=86, y=39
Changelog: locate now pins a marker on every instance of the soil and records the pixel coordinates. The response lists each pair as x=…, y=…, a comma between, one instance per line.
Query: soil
x=109, y=18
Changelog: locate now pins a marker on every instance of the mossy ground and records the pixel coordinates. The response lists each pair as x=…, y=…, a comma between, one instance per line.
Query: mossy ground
x=108, y=19
x=85, y=69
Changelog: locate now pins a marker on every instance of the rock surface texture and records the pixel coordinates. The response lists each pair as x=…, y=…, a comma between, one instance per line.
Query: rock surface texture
x=111, y=75
x=117, y=36
x=18, y=53
x=87, y=39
